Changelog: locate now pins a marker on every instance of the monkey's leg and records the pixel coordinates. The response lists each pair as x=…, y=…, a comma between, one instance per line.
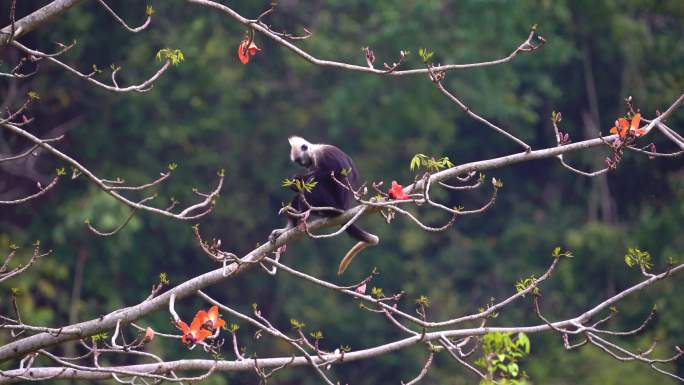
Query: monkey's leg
x=273, y=237
x=365, y=239
x=291, y=221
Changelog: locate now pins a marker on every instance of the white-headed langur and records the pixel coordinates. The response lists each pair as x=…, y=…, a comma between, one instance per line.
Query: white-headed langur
x=320, y=160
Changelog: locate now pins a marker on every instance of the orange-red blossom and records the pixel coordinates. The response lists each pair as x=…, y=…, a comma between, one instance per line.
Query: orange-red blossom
x=623, y=128
x=211, y=319
x=245, y=51
x=194, y=333
x=396, y=192
x=203, y=325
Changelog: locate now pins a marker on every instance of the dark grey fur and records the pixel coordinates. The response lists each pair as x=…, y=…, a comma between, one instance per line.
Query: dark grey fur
x=327, y=192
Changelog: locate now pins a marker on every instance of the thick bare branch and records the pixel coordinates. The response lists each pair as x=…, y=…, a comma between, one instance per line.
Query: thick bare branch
x=35, y=20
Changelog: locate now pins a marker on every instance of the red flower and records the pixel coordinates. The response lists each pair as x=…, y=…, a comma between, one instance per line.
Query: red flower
x=635, y=125
x=194, y=333
x=212, y=318
x=245, y=52
x=396, y=192
x=622, y=127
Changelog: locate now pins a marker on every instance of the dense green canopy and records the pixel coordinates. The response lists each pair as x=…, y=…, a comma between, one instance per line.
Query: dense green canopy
x=212, y=112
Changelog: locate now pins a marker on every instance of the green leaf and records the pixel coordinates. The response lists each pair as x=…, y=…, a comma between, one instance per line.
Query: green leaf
x=425, y=54
x=415, y=162
x=98, y=337
x=317, y=335
x=175, y=56
x=377, y=292
x=431, y=164
x=524, y=342
x=297, y=324
x=636, y=257
x=423, y=301
x=513, y=369
x=287, y=182
x=525, y=283
x=300, y=185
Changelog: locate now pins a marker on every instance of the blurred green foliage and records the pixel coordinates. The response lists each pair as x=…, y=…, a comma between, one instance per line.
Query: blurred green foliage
x=211, y=112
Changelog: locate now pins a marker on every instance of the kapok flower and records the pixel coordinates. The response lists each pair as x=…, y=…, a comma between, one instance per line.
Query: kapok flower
x=245, y=52
x=194, y=333
x=635, y=125
x=396, y=192
x=213, y=319
x=623, y=127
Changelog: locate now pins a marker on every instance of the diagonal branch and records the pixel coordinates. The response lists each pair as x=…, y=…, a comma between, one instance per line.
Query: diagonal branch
x=34, y=20
x=30, y=150
x=477, y=117
x=41, y=191
x=192, y=212
x=142, y=87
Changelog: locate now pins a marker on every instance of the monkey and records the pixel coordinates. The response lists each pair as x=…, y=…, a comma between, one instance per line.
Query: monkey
x=320, y=161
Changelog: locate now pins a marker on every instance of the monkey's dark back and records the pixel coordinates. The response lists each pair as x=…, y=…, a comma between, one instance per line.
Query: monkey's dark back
x=327, y=192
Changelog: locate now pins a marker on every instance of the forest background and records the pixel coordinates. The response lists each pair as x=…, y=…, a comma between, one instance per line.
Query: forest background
x=212, y=112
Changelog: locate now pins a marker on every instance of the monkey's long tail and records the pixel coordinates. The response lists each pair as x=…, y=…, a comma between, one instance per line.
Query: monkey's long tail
x=366, y=239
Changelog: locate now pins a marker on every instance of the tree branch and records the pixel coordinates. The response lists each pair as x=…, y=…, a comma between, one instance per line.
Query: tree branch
x=34, y=20
x=278, y=38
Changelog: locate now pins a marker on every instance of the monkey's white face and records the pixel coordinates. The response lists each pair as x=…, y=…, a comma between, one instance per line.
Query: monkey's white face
x=302, y=151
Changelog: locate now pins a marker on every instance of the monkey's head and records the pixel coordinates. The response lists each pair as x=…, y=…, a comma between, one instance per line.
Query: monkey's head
x=302, y=151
